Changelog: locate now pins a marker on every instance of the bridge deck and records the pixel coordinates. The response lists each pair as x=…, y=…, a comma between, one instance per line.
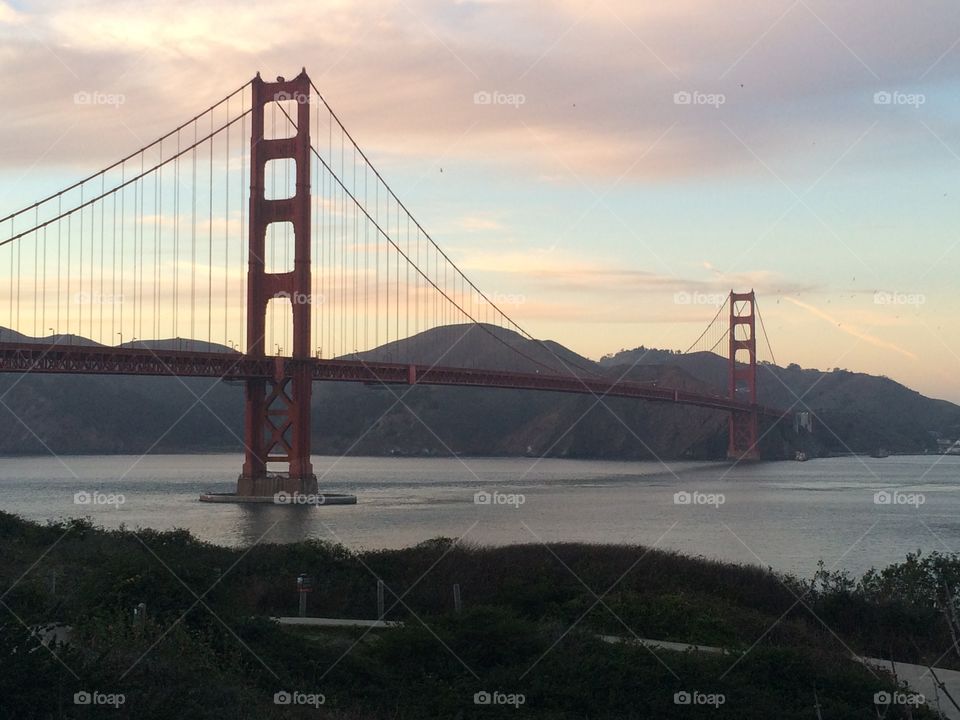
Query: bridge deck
x=103, y=360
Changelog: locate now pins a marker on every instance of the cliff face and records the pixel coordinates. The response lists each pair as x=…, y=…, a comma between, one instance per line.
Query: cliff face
x=97, y=414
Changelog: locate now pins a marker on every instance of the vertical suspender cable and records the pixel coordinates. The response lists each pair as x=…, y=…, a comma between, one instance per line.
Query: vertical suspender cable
x=354, y=284
x=113, y=274
x=193, y=239
x=176, y=242
x=36, y=283
x=78, y=299
x=243, y=238
x=157, y=213
x=142, y=183
x=103, y=232
x=366, y=263
x=59, y=258
x=226, y=231
x=376, y=252
x=315, y=277
x=210, y=245
x=69, y=266
x=397, y=287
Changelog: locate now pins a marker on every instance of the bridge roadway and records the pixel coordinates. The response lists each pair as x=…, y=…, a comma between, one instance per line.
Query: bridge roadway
x=104, y=360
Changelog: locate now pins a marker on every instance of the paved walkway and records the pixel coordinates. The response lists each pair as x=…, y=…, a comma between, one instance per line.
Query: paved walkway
x=337, y=622
x=918, y=677
x=920, y=680
x=664, y=644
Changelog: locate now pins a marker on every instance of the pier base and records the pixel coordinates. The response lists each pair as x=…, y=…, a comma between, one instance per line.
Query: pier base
x=278, y=488
x=282, y=498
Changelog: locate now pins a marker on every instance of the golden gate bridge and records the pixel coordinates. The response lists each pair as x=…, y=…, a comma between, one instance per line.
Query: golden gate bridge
x=258, y=243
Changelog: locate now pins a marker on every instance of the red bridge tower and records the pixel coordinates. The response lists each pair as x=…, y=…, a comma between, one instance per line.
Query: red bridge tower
x=743, y=376
x=277, y=420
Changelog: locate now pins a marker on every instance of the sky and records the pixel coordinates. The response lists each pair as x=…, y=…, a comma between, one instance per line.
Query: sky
x=606, y=168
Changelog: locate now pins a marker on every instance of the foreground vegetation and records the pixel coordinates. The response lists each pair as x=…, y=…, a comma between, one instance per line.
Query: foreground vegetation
x=202, y=645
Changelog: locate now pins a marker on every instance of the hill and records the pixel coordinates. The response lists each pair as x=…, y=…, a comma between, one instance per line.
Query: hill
x=481, y=346
x=858, y=412
x=99, y=414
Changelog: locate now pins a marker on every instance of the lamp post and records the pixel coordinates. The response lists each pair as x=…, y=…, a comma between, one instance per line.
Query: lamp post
x=304, y=586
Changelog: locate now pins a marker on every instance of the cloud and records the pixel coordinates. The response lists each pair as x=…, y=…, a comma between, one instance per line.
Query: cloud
x=474, y=223
x=560, y=270
x=598, y=80
x=9, y=15
x=852, y=330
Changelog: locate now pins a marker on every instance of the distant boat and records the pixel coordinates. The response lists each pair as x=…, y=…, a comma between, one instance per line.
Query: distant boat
x=880, y=453
x=801, y=456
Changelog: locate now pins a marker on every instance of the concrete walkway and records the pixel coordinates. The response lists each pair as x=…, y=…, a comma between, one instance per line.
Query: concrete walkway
x=337, y=622
x=917, y=677
x=664, y=644
x=920, y=680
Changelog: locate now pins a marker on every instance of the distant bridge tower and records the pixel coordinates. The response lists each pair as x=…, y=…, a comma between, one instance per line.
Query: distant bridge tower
x=744, y=437
x=277, y=420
